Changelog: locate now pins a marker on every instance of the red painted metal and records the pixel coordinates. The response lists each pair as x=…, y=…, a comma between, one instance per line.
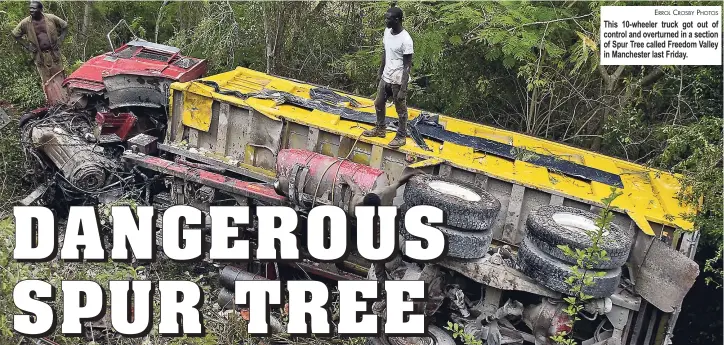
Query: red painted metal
x=561, y=322
x=126, y=60
x=261, y=192
x=118, y=124
x=325, y=171
x=54, y=91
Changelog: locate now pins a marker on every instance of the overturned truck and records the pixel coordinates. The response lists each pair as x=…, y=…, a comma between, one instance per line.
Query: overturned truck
x=143, y=122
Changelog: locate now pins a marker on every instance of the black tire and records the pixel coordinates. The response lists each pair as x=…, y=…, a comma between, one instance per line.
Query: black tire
x=477, y=212
x=552, y=273
x=461, y=244
x=547, y=234
x=436, y=336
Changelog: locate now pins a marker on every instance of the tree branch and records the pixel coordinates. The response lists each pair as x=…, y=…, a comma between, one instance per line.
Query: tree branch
x=552, y=21
x=652, y=77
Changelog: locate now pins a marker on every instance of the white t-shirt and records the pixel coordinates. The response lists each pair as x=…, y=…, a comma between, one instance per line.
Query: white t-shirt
x=395, y=47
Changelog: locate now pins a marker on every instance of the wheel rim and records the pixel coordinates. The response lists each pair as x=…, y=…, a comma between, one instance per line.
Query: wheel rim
x=454, y=190
x=575, y=222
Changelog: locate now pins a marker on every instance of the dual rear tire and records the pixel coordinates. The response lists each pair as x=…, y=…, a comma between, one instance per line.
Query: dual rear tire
x=469, y=212
x=541, y=258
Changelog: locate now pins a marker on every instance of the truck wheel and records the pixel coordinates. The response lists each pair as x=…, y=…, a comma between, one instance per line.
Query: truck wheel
x=436, y=336
x=552, y=273
x=550, y=226
x=466, y=206
x=461, y=244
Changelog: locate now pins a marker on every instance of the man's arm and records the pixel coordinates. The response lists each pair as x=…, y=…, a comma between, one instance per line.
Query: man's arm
x=405, y=178
x=61, y=38
x=385, y=193
x=406, y=67
x=62, y=25
x=388, y=193
x=18, y=33
x=382, y=65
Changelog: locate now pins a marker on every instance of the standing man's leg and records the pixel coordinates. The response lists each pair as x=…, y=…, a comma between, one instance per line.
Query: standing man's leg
x=382, y=95
x=401, y=108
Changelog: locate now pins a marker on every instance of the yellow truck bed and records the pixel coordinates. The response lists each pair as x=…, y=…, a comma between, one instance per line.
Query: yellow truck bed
x=649, y=196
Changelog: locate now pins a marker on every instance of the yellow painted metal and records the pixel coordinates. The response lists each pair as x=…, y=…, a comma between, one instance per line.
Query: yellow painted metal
x=197, y=108
x=648, y=194
x=426, y=163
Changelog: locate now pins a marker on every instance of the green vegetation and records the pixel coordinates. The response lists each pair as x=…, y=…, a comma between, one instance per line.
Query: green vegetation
x=530, y=67
x=583, y=273
x=459, y=332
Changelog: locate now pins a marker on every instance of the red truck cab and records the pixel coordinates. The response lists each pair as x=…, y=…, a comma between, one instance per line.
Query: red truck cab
x=137, y=73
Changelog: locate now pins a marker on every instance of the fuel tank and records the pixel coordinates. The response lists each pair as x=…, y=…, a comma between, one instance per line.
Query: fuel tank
x=302, y=174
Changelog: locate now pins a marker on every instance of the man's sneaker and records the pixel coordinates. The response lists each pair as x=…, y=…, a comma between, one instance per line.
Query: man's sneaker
x=398, y=141
x=375, y=132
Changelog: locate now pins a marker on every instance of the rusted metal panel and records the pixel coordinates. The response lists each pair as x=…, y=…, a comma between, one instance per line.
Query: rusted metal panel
x=207, y=140
x=576, y=204
x=265, y=138
x=297, y=136
x=376, y=156
x=462, y=175
x=481, y=180
x=393, y=164
x=254, y=174
x=176, y=126
x=445, y=170
x=532, y=199
x=512, y=217
x=222, y=130
x=239, y=123
x=328, y=144
x=501, y=191
x=556, y=200
x=313, y=139
x=193, y=137
x=661, y=274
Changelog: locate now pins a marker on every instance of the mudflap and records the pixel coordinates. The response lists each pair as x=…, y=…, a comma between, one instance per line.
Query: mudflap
x=661, y=275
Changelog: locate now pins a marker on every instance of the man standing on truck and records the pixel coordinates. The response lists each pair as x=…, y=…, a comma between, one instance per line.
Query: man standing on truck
x=393, y=75
x=44, y=32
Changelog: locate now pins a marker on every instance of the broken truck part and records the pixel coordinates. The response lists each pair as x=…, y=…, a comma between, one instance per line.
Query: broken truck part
x=248, y=138
x=78, y=160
